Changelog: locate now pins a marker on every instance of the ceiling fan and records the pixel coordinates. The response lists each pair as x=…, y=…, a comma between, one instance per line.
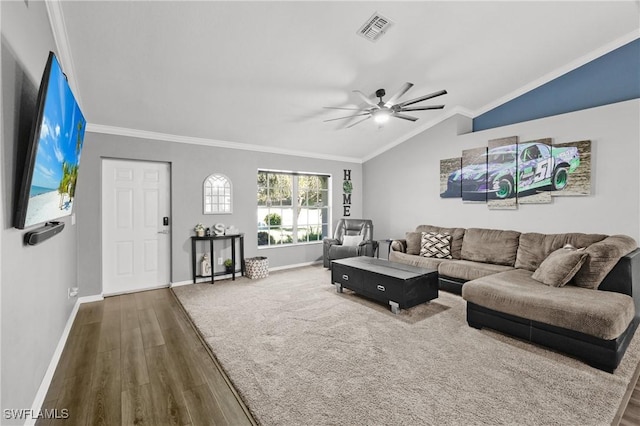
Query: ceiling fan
x=381, y=111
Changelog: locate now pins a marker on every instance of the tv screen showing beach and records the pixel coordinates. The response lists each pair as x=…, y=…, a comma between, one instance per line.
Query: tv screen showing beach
x=57, y=157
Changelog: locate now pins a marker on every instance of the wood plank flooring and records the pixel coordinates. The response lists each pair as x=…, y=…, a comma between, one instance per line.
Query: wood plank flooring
x=135, y=359
x=631, y=416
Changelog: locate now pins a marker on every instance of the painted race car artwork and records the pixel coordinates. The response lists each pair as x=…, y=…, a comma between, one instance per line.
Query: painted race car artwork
x=509, y=203
x=508, y=170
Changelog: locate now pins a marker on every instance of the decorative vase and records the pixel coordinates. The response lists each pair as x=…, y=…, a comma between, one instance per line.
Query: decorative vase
x=200, y=233
x=205, y=266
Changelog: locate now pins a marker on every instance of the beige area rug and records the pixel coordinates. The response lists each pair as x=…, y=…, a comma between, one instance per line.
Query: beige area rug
x=301, y=354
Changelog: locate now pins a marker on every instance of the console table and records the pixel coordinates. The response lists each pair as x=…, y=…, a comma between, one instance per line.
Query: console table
x=211, y=239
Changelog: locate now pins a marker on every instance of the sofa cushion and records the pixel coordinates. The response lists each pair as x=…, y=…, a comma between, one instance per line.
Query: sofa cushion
x=467, y=270
x=603, y=256
x=413, y=242
x=603, y=314
x=490, y=246
x=560, y=266
x=533, y=248
x=341, y=252
x=457, y=234
x=413, y=260
x=435, y=244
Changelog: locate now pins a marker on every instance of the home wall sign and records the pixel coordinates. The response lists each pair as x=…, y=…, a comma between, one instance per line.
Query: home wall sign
x=507, y=172
x=347, y=189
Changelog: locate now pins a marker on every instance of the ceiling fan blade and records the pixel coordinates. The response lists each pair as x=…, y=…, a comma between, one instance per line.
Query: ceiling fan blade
x=422, y=98
x=357, y=122
x=365, y=98
x=349, y=116
x=348, y=109
x=392, y=100
x=404, y=117
x=422, y=108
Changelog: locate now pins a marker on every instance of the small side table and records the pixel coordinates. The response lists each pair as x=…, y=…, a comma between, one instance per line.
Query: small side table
x=211, y=239
x=388, y=242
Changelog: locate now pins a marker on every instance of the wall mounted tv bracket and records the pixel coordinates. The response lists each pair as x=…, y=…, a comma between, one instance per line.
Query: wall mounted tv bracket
x=43, y=233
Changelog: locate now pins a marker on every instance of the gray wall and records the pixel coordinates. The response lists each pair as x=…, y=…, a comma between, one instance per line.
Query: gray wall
x=34, y=280
x=406, y=194
x=190, y=165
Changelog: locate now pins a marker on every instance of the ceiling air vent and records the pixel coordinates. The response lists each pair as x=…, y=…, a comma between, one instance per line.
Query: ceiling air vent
x=375, y=27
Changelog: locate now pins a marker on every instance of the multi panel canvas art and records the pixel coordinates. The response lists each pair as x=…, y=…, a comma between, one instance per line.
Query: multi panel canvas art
x=474, y=175
x=450, y=171
x=534, y=171
x=502, y=163
x=579, y=179
x=507, y=172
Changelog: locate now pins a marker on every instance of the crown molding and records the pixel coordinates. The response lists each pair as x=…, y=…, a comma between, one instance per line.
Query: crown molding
x=143, y=134
x=59, y=29
x=595, y=54
x=457, y=110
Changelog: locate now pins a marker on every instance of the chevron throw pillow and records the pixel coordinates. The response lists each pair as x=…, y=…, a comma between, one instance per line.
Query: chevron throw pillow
x=435, y=244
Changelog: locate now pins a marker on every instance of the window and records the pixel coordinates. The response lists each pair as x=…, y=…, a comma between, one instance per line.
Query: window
x=217, y=195
x=293, y=208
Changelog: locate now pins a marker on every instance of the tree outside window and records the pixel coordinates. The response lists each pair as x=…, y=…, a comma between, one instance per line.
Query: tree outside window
x=293, y=208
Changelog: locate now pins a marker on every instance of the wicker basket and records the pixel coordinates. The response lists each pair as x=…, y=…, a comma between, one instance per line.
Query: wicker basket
x=257, y=267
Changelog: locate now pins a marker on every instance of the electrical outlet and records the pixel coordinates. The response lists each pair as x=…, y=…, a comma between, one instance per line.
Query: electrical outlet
x=72, y=292
x=219, y=261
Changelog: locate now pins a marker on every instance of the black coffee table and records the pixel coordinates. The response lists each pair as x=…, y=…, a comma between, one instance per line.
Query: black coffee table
x=401, y=286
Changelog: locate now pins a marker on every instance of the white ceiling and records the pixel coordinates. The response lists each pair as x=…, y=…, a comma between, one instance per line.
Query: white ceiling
x=257, y=74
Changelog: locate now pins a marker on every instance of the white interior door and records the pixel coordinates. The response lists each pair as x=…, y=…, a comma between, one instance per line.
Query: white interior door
x=136, y=236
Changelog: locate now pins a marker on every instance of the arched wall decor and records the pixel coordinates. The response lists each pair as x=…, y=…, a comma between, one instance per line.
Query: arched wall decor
x=217, y=194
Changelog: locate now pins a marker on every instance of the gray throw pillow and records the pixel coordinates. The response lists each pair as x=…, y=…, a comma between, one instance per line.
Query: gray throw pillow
x=435, y=244
x=560, y=266
x=413, y=242
x=603, y=256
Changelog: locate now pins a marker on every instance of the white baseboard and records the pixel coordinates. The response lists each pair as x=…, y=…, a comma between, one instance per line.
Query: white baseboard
x=228, y=276
x=48, y=376
x=152, y=287
x=188, y=282
x=204, y=280
x=297, y=265
x=89, y=299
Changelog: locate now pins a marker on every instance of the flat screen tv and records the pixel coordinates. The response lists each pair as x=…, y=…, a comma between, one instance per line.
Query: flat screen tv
x=53, y=151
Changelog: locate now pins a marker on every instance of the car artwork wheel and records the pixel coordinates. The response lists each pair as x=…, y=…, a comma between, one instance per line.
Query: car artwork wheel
x=560, y=178
x=505, y=188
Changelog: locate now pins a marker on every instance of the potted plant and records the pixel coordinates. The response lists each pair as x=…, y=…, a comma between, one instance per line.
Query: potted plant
x=199, y=230
x=228, y=266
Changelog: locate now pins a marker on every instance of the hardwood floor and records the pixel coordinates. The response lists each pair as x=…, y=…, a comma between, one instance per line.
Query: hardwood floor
x=136, y=360
x=631, y=416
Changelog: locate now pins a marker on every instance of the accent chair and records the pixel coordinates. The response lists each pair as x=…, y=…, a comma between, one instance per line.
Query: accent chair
x=352, y=237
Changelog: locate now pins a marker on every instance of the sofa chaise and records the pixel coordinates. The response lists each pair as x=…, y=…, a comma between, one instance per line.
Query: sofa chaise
x=575, y=293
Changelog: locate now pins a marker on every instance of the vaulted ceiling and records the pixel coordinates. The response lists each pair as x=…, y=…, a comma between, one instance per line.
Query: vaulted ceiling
x=257, y=74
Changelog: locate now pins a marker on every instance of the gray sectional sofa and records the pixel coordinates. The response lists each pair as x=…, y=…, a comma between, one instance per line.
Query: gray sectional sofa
x=515, y=283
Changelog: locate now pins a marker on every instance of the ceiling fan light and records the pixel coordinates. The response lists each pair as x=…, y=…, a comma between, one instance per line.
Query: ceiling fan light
x=381, y=116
